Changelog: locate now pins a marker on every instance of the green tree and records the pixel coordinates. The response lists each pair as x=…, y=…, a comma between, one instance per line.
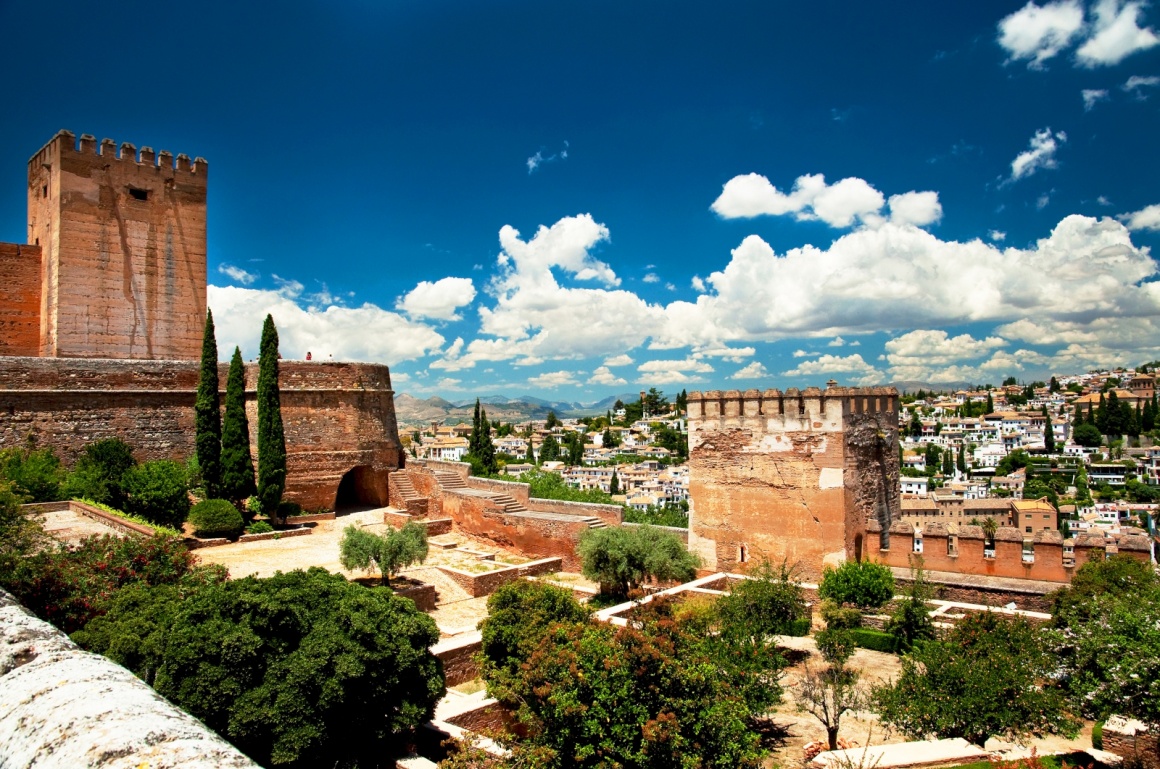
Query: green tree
x=766, y=604
x=1088, y=435
x=158, y=491
x=621, y=558
x=911, y=622
x=865, y=584
x=99, y=472
x=1048, y=433
x=553, y=421
x=531, y=453
x=1013, y=461
x=35, y=474
x=647, y=696
x=609, y=440
x=207, y=414
x=990, y=403
x=476, y=431
x=828, y=694
x=549, y=449
x=673, y=440
x=989, y=677
x=614, y=484
x=216, y=518
x=237, y=462
x=575, y=449
x=484, y=450
x=271, y=437
x=389, y=552
x=301, y=669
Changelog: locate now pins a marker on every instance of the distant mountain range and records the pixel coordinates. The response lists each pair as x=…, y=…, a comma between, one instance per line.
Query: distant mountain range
x=910, y=386
x=410, y=410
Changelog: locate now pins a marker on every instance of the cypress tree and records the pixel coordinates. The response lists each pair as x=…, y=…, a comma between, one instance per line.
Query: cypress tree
x=237, y=462
x=271, y=438
x=486, y=452
x=990, y=403
x=1048, y=433
x=473, y=444
x=207, y=417
x=531, y=454
x=614, y=484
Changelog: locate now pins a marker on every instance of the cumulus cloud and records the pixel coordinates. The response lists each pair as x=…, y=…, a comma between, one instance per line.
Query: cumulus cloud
x=844, y=203
x=237, y=274
x=1136, y=84
x=1092, y=97
x=1147, y=218
x=604, y=376
x=753, y=371
x=366, y=333
x=857, y=370
x=619, y=360
x=1115, y=34
x=673, y=371
x=836, y=342
x=553, y=379
x=917, y=208
x=651, y=277
x=731, y=354
x=805, y=354
x=913, y=355
x=1039, y=155
x=997, y=235
x=438, y=300
x=1037, y=33
x=698, y=284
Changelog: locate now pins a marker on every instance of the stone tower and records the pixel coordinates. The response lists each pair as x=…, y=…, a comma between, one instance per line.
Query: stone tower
x=122, y=250
x=793, y=475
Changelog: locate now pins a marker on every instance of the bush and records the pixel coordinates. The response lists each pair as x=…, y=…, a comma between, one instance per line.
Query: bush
x=35, y=474
x=869, y=638
x=768, y=603
x=259, y=527
x=838, y=617
x=836, y=644
x=302, y=669
x=1098, y=735
x=216, y=518
x=799, y=628
x=286, y=508
x=157, y=491
x=865, y=584
x=100, y=471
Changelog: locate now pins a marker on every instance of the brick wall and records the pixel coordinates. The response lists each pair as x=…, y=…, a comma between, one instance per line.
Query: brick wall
x=486, y=583
x=480, y=517
x=613, y=515
x=1133, y=741
x=19, y=299
x=458, y=657
x=337, y=416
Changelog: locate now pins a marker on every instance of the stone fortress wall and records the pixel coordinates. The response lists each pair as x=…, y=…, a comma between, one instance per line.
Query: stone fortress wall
x=101, y=321
x=792, y=475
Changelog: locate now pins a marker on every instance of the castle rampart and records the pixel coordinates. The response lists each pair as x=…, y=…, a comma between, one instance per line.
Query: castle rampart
x=791, y=475
x=20, y=268
x=339, y=417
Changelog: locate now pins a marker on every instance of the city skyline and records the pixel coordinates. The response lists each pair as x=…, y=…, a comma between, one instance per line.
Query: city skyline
x=579, y=201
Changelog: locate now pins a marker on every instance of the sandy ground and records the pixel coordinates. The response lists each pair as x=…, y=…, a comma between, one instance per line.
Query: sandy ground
x=858, y=728
x=71, y=528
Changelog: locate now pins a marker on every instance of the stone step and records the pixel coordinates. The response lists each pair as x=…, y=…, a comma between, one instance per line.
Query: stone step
x=405, y=487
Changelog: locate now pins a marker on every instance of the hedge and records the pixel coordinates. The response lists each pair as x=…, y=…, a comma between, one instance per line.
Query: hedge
x=799, y=627
x=216, y=518
x=877, y=640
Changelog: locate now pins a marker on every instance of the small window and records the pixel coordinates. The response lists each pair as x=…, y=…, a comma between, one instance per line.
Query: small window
x=44, y=191
x=138, y=194
x=742, y=554
x=1027, y=529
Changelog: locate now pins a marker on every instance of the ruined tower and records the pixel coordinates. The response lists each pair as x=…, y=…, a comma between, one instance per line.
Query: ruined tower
x=120, y=241
x=793, y=475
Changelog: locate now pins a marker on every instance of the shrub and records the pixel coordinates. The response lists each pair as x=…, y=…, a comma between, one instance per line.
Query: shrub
x=838, y=617
x=157, y=491
x=621, y=558
x=389, y=552
x=1098, y=735
x=100, y=471
x=836, y=644
x=869, y=638
x=216, y=518
x=768, y=603
x=259, y=527
x=865, y=584
x=286, y=508
x=35, y=474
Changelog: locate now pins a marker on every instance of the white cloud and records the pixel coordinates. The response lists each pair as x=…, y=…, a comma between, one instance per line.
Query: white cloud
x=997, y=235
x=1136, y=84
x=553, y=379
x=604, y=376
x=1040, y=155
x=447, y=383
x=1092, y=96
x=673, y=371
x=619, y=360
x=438, y=300
x=1042, y=201
x=539, y=159
x=366, y=333
x=670, y=287
x=1103, y=200
x=805, y=354
x=753, y=371
x=1037, y=33
x=698, y=284
x=1147, y=218
x=934, y=347
x=839, y=205
x=237, y=274
x=836, y=342
x=651, y=277
x=731, y=354
x=917, y=208
x=860, y=371
x=1115, y=34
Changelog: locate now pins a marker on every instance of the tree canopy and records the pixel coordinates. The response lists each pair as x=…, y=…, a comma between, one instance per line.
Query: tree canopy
x=271, y=435
x=389, y=552
x=865, y=584
x=621, y=558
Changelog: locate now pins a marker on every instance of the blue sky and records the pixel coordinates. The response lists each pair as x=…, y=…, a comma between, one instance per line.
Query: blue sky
x=578, y=199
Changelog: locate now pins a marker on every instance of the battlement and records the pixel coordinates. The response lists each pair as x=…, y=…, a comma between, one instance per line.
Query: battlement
x=812, y=402
x=65, y=144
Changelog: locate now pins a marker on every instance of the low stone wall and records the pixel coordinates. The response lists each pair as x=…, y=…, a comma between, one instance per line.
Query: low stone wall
x=1135, y=742
x=195, y=543
x=63, y=707
x=488, y=582
x=983, y=596
x=458, y=657
x=516, y=490
x=677, y=531
x=423, y=595
x=435, y=526
x=310, y=518
x=81, y=508
x=492, y=717
x=479, y=516
x=613, y=515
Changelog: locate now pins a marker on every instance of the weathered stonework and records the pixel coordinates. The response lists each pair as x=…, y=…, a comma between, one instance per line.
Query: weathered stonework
x=19, y=299
x=123, y=239
x=793, y=475
x=339, y=417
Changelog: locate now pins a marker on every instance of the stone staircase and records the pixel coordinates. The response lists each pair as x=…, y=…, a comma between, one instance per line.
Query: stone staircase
x=594, y=522
x=508, y=503
x=450, y=480
x=403, y=485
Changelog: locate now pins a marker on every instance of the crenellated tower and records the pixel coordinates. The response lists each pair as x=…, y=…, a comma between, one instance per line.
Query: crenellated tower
x=122, y=249
x=792, y=475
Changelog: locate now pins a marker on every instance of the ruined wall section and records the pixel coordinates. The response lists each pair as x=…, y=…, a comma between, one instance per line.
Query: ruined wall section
x=124, y=242
x=19, y=299
x=784, y=475
x=337, y=416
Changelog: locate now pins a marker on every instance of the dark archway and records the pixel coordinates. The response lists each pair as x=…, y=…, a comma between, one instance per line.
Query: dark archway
x=858, y=548
x=358, y=490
